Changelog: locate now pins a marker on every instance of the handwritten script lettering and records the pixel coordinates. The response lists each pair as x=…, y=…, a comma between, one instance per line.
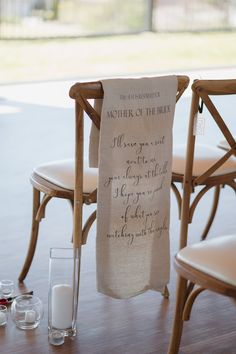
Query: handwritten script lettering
x=139, y=182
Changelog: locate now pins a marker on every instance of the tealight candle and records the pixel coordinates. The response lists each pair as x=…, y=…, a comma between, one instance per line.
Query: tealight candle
x=30, y=316
x=62, y=304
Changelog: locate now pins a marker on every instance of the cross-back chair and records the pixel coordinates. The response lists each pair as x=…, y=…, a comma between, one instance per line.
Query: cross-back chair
x=208, y=264
x=59, y=178
x=205, y=155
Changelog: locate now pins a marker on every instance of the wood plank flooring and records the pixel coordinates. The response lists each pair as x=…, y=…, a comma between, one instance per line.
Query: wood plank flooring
x=36, y=133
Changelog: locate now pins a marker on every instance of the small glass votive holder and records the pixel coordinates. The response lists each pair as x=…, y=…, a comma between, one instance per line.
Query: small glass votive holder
x=56, y=337
x=3, y=315
x=27, y=311
x=6, y=288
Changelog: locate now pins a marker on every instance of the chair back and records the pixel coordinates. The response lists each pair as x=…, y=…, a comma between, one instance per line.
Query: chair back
x=83, y=93
x=205, y=95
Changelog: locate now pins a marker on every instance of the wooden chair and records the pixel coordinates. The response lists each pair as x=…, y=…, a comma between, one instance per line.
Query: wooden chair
x=58, y=179
x=209, y=264
x=205, y=155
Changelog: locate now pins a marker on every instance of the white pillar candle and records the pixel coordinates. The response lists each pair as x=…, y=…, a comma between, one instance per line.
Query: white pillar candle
x=30, y=316
x=3, y=318
x=62, y=303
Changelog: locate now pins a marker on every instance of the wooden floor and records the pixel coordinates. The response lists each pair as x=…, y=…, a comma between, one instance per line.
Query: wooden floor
x=140, y=325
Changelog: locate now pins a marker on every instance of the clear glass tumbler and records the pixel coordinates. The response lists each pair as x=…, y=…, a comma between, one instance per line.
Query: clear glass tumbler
x=64, y=271
x=6, y=288
x=3, y=315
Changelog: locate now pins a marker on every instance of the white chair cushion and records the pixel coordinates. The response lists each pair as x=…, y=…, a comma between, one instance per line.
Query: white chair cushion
x=215, y=257
x=62, y=173
x=205, y=156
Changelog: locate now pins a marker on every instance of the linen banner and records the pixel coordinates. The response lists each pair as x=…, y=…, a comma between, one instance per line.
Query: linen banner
x=133, y=205
x=94, y=137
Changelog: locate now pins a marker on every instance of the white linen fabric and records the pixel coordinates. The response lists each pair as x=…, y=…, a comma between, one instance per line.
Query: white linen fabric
x=133, y=206
x=94, y=137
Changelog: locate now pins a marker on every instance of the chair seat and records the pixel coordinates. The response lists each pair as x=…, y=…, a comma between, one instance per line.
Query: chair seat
x=205, y=156
x=214, y=257
x=62, y=174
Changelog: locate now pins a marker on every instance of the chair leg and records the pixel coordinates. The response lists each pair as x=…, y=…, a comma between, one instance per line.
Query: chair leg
x=213, y=212
x=177, y=196
x=178, y=319
x=165, y=293
x=71, y=202
x=34, y=236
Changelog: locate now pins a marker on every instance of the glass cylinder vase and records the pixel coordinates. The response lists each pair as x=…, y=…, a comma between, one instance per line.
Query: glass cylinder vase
x=64, y=271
